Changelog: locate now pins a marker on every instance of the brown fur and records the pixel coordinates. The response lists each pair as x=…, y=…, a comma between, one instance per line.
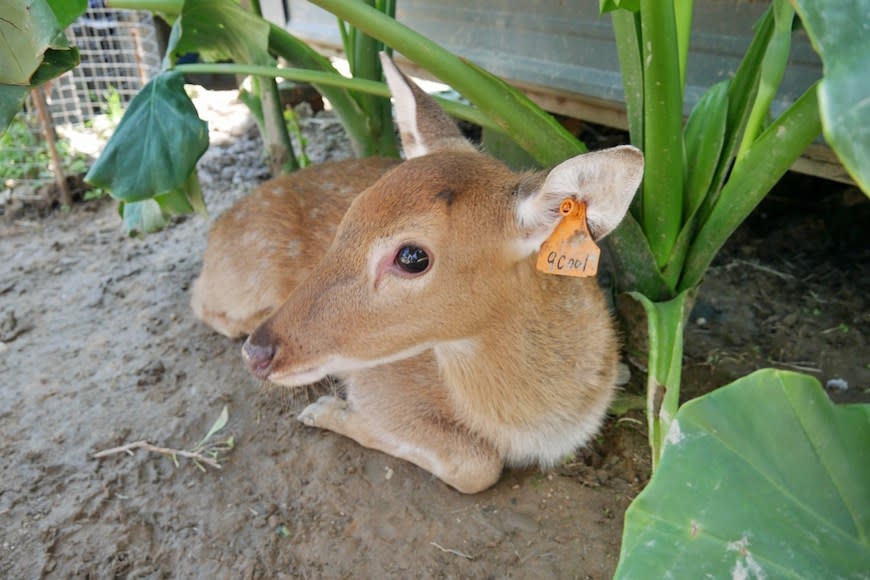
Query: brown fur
x=480, y=361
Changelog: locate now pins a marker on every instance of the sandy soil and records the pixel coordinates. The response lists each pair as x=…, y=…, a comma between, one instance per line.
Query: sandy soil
x=99, y=349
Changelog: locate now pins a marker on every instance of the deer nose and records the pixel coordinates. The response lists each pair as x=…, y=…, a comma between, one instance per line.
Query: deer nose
x=258, y=358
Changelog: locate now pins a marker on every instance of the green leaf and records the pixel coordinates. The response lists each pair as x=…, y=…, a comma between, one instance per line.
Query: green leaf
x=142, y=217
x=772, y=70
x=838, y=31
x=66, y=11
x=634, y=264
x=704, y=136
x=219, y=424
x=741, y=92
x=11, y=100
x=763, y=478
x=156, y=145
x=223, y=30
x=28, y=28
x=54, y=64
x=605, y=6
x=752, y=177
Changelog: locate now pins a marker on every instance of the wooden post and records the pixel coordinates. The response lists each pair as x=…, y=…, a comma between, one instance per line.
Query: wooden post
x=48, y=133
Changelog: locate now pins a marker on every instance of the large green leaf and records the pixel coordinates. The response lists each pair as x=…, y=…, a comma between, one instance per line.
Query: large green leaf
x=763, y=478
x=28, y=28
x=223, y=30
x=66, y=11
x=156, y=145
x=838, y=31
x=11, y=100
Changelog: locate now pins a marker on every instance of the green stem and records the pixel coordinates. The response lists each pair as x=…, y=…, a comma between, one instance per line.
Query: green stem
x=626, y=30
x=352, y=117
x=367, y=65
x=663, y=125
x=665, y=322
x=276, y=139
x=333, y=80
x=683, y=17
x=772, y=70
x=170, y=7
x=765, y=162
x=532, y=128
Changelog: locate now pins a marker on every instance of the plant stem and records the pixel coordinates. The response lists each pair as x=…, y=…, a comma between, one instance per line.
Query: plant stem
x=276, y=139
x=533, y=129
x=663, y=125
x=772, y=70
x=352, y=117
x=367, y=65
x=626, y=29
x=326, y=79
x=665, y=322
x=171, y=7
x=683, y=18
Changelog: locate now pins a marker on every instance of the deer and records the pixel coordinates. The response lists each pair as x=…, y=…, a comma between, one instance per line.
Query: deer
x=414, y=283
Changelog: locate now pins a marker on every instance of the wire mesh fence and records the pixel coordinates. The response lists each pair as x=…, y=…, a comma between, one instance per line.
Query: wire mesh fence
x=120, y=52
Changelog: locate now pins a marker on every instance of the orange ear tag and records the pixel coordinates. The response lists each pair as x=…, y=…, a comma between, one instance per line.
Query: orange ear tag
x=570, y=249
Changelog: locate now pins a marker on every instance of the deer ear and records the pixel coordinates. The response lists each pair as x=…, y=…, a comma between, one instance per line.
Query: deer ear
x=605, y=180
x=423, y=125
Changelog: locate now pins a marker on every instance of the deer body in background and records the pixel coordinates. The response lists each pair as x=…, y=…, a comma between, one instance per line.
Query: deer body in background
x=421, y=294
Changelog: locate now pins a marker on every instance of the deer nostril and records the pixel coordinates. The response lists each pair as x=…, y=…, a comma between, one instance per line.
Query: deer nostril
x=258, y=358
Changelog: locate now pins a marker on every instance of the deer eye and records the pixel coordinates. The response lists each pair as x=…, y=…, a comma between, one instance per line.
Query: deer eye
x=412, y=259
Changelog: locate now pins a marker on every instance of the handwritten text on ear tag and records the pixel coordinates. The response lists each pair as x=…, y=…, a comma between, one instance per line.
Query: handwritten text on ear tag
x=570, y=249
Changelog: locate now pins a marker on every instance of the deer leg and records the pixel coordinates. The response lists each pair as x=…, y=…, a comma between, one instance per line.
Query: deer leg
x=446, y=450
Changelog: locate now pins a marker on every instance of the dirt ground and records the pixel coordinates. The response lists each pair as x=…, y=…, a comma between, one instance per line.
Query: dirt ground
x=100, y=349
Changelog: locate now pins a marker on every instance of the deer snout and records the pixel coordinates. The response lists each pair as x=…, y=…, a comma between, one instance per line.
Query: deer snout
x=258, y=357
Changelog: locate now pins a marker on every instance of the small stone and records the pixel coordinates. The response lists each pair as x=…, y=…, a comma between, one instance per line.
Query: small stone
x=837, y=384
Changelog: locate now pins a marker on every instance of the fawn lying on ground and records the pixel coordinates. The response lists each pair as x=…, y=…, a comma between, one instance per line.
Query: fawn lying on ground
x=457, y=354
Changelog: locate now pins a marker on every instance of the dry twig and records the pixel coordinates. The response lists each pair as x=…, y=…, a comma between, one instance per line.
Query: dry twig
x=129, y=447
x=454, y=552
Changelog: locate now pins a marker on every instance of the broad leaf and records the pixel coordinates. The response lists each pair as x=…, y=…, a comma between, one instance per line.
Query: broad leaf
x=66, y=11
x=54, y=64
x=838, y=31
x=156, y=145
x=27, y=29
x=223, y=30
x=142, y=217
x=11, y=100
x=763, y=478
